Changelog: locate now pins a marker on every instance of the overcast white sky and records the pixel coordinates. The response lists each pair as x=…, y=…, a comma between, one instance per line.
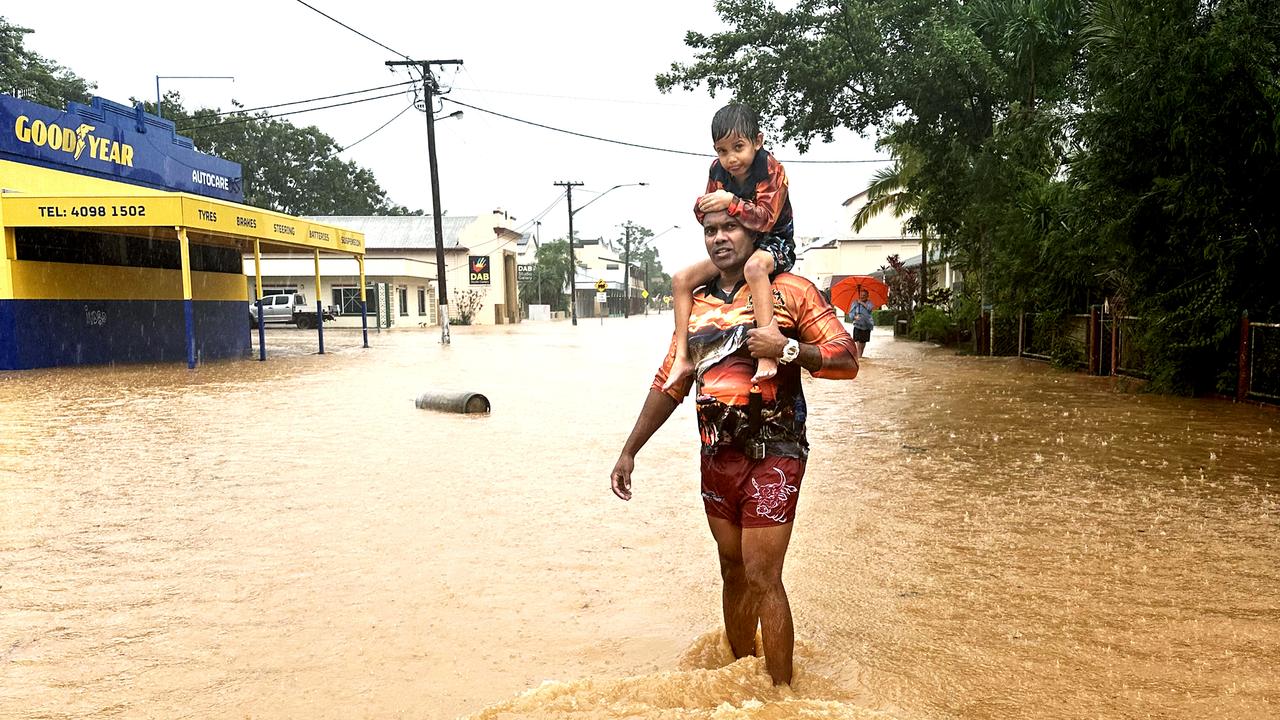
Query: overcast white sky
x=583, y=66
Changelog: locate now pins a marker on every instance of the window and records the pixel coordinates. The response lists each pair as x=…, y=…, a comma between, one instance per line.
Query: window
x=402, y=294
x=611, y=266
x=280, y=300
x=422, y=301
x=348, y=299
x=92, y=248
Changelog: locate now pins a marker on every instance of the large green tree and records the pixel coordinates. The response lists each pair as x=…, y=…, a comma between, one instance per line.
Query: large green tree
x=294, y=170
x=286, y=168
x=25, y=74
x=550, y=277
x=1183, y=140
x=1065, y=151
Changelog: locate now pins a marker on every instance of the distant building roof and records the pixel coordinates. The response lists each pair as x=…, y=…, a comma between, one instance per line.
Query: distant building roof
x=820, y=244
x=855, y=197
x=401, y=232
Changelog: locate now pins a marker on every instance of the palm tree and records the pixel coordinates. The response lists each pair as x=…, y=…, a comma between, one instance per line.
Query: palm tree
x=890, y=191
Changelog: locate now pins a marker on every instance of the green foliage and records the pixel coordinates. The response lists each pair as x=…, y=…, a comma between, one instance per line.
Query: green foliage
x=26, y=75
x=645, y=256
x=931, y=323
x=904, y=285
x=1058, y=152
x=884, y=317
x=465, y=305
x=286, y=168
x=550, y=277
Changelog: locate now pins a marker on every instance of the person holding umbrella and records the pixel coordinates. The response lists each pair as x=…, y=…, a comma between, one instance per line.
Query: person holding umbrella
x=871, y=293
x=860, y=315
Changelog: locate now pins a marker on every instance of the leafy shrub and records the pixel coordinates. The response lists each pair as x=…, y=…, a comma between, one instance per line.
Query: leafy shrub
x=884, y=317
x=930, y=323
x=467, y=303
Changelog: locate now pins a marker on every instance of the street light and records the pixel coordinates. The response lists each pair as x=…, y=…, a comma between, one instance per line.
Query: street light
x=573, y=263
x=159, y=99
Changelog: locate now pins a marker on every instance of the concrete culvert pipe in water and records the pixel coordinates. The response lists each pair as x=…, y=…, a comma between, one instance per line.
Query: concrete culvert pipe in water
x=458, y=402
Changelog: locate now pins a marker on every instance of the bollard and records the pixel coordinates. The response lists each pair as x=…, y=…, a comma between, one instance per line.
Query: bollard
x=458, y=402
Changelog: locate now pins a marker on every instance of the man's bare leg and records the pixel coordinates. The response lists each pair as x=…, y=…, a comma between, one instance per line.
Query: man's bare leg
x=751, y=567
x=763, y=551
x=740, y=617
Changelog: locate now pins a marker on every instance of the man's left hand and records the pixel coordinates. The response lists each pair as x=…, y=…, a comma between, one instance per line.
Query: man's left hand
x=766, y=342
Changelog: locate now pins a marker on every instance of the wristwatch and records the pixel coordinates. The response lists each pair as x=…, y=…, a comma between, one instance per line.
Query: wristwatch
x=790, y=351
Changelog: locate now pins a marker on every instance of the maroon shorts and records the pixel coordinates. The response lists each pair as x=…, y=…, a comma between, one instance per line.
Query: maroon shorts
x=751, y=493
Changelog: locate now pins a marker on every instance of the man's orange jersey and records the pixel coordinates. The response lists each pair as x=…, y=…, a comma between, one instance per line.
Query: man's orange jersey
x=717, y=344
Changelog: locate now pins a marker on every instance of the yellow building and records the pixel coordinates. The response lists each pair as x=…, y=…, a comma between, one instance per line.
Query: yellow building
x=122, y=243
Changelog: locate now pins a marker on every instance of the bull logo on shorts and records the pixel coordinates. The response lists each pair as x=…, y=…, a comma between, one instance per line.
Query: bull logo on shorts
x=771, y=498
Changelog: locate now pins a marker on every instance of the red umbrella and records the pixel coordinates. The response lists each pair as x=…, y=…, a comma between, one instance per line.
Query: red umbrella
x=846, y=291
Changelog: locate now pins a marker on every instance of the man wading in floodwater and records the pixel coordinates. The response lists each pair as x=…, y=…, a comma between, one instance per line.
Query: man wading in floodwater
x=753, y=439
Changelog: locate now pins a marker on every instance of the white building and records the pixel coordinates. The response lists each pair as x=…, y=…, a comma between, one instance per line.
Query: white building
x=400, y=270
x=826, y=260
x=604, y=261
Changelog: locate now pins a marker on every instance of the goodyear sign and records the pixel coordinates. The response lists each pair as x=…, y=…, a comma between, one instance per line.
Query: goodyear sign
x=479, y=269
x=114, y=142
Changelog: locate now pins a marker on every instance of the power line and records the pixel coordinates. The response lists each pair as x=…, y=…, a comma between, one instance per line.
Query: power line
x=292, y=112
x=375, y=132
x=315, y=99
x=574, y=97
x=647, y=147
x=366, y=37
x=545, y=211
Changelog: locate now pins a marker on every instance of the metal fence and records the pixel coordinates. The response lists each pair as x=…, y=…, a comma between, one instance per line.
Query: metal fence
x=1128, y=357
x=1263, y=382
x=1107, y=344
x=1049, y=337
x=1005, y=333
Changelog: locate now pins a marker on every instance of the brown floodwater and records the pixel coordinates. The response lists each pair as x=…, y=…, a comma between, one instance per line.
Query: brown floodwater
x=976, y=538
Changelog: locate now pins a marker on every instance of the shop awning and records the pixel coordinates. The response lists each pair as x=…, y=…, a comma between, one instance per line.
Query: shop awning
x=197, y=214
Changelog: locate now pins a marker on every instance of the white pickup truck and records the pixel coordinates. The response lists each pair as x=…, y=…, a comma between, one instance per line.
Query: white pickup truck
x=291, y=308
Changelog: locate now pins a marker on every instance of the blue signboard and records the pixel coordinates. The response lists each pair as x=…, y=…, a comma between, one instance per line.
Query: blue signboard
x=113, y=141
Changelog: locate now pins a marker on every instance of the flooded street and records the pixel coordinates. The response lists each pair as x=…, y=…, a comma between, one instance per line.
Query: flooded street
x=976, y=538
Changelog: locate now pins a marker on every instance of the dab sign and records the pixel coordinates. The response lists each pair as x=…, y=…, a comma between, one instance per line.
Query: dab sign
x=479, y=265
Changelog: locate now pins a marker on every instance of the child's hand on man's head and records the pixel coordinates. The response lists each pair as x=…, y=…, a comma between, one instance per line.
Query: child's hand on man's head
x=715, y=201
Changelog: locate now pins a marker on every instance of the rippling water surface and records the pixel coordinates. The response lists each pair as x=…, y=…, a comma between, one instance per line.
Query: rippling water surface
x=977, y=538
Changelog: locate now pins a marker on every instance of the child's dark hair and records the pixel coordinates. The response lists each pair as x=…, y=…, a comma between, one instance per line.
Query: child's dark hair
x=735, y=118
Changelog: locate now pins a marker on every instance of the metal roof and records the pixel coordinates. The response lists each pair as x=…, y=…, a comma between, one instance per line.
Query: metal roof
x=401, y=232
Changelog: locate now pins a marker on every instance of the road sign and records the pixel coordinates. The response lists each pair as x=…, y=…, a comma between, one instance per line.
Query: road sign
x=602, y=297
x=644, y=294
x=601, y=286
